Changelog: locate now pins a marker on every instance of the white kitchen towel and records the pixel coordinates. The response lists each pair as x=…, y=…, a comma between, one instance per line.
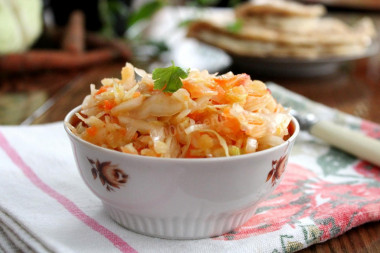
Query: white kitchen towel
x=46, y=207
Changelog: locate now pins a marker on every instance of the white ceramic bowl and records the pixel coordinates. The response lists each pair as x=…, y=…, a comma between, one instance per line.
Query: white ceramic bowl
x=180, y=198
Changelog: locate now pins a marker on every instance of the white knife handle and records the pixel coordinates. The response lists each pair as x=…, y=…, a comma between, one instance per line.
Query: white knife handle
x=351, y=141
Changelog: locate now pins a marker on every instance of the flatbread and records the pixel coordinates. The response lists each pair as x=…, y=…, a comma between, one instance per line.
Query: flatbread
x=285, y=29
x=278, y=8
x=261, y=41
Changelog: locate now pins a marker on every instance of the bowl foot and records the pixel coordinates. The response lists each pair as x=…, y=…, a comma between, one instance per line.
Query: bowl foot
x=187, y=227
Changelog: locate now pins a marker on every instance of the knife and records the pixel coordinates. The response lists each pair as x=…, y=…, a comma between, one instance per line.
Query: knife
x=348, y=140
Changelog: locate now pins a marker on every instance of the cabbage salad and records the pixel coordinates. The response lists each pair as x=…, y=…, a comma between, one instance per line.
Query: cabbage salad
x=178, y=113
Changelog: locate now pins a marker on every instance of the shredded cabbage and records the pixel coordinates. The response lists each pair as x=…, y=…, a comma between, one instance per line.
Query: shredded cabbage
x=209, y=116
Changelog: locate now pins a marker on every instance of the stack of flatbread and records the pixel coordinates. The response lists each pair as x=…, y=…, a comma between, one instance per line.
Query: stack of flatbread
x=278, y=28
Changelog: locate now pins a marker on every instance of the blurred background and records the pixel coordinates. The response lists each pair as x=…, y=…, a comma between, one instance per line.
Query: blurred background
x=51, y=50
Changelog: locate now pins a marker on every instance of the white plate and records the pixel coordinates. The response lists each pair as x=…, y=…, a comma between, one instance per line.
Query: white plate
x=296, y=66
x=193, y=54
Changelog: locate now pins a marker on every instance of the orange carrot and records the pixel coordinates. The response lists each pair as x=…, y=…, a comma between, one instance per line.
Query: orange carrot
x=123, y=131
x=107, y=105
x=73, y=39
x=136, y=94
x=101, y=90
x=35, y=60
x=220, y=98
x=92, y=131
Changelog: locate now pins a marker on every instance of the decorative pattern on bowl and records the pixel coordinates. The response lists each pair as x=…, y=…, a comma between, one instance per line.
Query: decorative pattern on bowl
x=109, y=174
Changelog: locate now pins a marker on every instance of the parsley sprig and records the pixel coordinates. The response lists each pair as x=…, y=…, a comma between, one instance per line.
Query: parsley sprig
x=169, y=79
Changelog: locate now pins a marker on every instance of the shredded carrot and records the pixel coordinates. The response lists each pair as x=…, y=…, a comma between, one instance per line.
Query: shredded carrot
x=196, y=116
x=231, y=125
x=197, y=90
x=92, y=130
x=227, y=110
x=101, y=90
x=220, y=98
x=107, y=105
x=193, y=89
x=236, y=80
x=136, y=94
x=123, y=131
x=242, y=79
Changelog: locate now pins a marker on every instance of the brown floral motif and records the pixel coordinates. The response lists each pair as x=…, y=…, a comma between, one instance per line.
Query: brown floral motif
x=278, y=167
x=109, y=174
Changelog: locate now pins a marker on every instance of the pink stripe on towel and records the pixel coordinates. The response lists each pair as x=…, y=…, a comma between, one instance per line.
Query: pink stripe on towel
x=64, y=201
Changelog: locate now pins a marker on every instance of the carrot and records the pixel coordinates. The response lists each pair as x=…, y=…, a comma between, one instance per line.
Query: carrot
x=242, y=79
x=35, y=60
x=196, y=116
x=91, y=130
x=74, y=36
x=197, y=90
x=220, y=98
x=136, y=94
x=226, y=111
x=107, y=105
x=193, y=89
x=101, y=90
x=123, y=131
x=237, y=80
x=229, y=124
x=221, y=81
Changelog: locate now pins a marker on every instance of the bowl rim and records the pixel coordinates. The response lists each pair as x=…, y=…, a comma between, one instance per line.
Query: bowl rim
x=192, y=160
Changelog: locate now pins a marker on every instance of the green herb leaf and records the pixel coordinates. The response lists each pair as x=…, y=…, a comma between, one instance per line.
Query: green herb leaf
x=235, y=27
x=169, y=79
x=145, y=12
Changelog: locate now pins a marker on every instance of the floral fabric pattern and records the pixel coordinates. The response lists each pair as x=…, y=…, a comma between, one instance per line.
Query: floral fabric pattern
x=324, y=192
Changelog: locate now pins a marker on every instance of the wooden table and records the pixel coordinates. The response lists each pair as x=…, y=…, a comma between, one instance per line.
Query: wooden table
x=354, y=89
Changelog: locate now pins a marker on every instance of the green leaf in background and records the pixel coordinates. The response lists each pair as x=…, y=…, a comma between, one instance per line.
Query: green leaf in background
x=206, y=2
x=161, y=46
x=186, y=22
x=168, y=79
x=334, y=160
x=235, y=27
x=113, y=14
x=145, y=12
x=232, y=3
